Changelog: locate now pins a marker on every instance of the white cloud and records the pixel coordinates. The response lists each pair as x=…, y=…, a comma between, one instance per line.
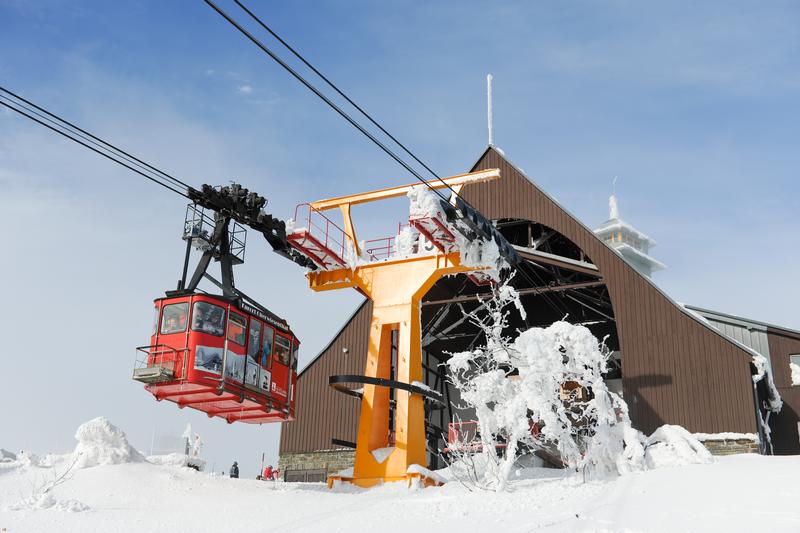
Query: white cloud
x=245, y=89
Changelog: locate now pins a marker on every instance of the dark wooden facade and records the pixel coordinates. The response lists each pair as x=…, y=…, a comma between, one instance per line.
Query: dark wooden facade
x=676, y=369
x=323, y=413
x=785, y=430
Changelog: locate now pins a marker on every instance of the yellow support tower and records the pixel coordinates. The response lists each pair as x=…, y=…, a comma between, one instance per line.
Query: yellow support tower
x=396, y=288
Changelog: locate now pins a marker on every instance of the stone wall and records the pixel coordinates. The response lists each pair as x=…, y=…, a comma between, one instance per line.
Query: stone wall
x=332, y=461
x=731, y=446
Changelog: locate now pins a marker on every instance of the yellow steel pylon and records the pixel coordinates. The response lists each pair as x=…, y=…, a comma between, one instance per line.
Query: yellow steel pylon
x=396, y=288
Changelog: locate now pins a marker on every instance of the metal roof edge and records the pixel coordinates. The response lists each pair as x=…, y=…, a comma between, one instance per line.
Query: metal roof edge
x=763, y=325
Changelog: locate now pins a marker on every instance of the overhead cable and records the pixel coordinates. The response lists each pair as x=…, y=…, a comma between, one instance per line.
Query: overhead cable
x=324, y=98
x=78, y=135
x=339, y=91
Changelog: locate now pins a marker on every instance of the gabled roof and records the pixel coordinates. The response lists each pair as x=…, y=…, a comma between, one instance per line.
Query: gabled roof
x=648, y=280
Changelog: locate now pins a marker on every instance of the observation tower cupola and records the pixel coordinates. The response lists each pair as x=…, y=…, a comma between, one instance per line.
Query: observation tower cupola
x=633, y=245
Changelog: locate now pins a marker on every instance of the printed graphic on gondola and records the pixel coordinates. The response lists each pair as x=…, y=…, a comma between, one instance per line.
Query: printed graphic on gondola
x=234, y=366
x=266, y=379
x=277, y=389
x=208, y=359
x=251, y=372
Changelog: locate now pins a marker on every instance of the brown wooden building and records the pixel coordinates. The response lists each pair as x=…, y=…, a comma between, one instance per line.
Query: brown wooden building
x=671, y=365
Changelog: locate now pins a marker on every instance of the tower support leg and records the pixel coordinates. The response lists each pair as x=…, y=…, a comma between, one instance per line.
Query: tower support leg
x=396, y=291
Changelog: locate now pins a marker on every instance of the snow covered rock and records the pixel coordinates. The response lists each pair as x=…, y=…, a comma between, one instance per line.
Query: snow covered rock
x=674, y=446
x=102, y=443
x=6, y=456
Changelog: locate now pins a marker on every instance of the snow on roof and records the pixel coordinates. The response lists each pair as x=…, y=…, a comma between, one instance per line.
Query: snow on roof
x=616, y=224
x=625, y=248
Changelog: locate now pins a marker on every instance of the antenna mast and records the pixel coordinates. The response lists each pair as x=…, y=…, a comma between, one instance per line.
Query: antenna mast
x=489, y=104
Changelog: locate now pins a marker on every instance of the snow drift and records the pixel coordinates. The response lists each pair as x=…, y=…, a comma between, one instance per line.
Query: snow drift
x=102, y=443
x=674, y=446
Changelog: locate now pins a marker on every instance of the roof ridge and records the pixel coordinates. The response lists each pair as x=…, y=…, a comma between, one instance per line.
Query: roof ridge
x=675, y=303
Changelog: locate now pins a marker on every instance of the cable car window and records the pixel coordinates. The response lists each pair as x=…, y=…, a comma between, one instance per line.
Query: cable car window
x=237, y=325
x=266, y=348
x=251, y=365
x=208, y=318
x=282, y=350
x=175, y=318
x=155, y=320
x=254, y=341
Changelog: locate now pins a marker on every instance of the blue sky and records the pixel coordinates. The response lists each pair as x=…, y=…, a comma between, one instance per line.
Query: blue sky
x=692, y=105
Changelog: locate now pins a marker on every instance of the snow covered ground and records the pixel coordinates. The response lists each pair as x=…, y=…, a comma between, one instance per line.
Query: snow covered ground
x=123, y=492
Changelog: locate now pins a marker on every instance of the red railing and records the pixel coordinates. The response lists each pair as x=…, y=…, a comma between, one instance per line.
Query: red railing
x=310, y=222
x=383, y=248
x=377, y=249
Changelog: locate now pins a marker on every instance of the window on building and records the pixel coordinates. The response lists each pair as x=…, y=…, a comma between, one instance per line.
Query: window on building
x=237, y=325
x=174, y=318
x=208, y=318
x=794, y=367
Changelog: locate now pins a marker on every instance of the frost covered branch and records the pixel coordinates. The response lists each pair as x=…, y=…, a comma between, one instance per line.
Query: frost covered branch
x=544, y=391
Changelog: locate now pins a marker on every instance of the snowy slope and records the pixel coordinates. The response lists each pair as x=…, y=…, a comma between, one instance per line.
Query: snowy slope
x=735, y=493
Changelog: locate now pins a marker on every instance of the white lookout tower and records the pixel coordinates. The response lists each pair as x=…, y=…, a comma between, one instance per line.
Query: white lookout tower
x=631, y=243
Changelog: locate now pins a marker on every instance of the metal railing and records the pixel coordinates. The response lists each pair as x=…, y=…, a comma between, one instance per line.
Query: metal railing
x=198, y=227
x=383, y=248
x=158, y=362
x=320, y=228
x=377, y=249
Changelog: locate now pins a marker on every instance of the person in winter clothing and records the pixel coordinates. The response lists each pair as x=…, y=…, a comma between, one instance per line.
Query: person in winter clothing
x=235, y=470
x=269, y=474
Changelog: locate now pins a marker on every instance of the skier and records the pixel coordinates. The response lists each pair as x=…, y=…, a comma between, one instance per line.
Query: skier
x=268, y=473
x=235, y=470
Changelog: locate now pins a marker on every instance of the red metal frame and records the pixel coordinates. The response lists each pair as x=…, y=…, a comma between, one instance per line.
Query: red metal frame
x=465, y=441
x=321, y=239
x=197, y=383
x=435, y=231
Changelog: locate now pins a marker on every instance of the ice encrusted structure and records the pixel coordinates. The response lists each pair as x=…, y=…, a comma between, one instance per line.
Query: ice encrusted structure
x=514, y=385
x=102, y=443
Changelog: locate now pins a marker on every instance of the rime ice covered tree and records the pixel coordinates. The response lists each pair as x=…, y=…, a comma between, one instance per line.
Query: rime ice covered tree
x=549, y=379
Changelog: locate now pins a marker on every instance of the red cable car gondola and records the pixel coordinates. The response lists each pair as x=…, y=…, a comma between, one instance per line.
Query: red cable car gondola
x=224, y=354
x=221, y=356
